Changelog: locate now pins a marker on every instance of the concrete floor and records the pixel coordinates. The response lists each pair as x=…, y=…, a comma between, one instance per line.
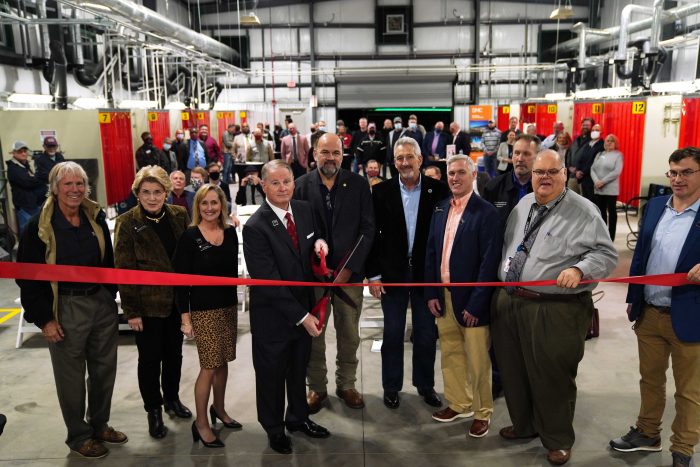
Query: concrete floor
x=607, y=405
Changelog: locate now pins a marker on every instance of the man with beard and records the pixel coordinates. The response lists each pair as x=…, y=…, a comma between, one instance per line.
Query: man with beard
x=211, y=145
x=577, y=148
x=403, y=207
x=342, y=207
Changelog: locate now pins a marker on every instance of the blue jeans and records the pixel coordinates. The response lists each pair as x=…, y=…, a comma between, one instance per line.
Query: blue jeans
x=394, y=305
x=490, y=165
x=228, y=162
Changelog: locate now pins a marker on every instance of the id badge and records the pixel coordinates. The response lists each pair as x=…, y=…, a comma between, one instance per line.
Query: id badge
x=506, y=264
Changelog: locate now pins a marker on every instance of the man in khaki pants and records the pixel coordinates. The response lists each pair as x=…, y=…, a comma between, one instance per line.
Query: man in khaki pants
x=667, y=318
x=464, y=245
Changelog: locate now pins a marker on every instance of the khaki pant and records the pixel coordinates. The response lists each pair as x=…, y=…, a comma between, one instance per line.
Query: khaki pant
x=346, y=320
x=657, y=341
x=574, y=185
x=466, y=366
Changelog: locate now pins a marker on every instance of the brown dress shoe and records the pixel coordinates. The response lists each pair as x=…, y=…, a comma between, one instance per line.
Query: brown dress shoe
x=479, y=428
x=559, y=456
x=112, y=436
x=509, y=434
x=352, y=398
x=314, y=400
x=92, y=449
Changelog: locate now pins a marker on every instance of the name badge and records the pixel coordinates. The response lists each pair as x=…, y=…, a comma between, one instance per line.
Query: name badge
x=310, y=235
x=506, y=264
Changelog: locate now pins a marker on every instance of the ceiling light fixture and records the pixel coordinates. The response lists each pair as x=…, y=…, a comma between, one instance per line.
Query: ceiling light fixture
x=137, y=104
x=250, y=19
x=90, y=103
x=562, y=12
x=21, y=98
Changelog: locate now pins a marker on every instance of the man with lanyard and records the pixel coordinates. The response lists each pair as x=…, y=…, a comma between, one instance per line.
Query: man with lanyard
x=539, y=332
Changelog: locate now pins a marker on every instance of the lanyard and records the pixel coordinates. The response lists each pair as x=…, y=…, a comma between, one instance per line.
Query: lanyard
x=529, y=229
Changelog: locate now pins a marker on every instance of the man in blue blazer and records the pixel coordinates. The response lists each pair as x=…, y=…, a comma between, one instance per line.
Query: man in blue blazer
x=435, y=143
x=464, y=245
x=668, y=318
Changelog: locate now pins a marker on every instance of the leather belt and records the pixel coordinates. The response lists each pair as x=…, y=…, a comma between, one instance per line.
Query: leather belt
x=80, y=292
x=532, y=295
x=661, y=309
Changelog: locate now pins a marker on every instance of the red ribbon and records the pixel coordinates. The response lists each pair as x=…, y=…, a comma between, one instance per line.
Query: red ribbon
x=62, y=273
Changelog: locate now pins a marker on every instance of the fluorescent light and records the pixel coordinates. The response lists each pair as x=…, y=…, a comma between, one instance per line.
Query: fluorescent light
x=176, y=105
x=413, y=109
x=603, y=93
x=251, y=19
x=137, y=104
x=563, y=12
x=21, y=98
x=225, y=105
x=556, y=96
x=680, y=87
x=90, y=102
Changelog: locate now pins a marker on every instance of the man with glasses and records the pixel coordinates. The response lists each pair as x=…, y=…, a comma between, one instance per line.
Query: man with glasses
x=342, y=207
x=539, y=332
x=667, y=322
x=403, y=208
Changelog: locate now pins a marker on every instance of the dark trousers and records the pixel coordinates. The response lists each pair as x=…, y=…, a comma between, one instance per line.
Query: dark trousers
x=587, y=187
x=608, y=209
x=280, y=364
x=539, y=344
x=394, y=305
x=160, y=359
x=90, y=341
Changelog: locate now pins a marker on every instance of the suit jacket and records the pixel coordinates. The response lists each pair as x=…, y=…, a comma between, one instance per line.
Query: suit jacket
x=241, y=143
x=440, y=149
x=475, y=256
x=391, y=138
x=353, y=216
x=463, y=142
x=685, y=301
x=389, y=257
x=303, y=147
x=243, y=195
x=43, y=165
x=270, y=254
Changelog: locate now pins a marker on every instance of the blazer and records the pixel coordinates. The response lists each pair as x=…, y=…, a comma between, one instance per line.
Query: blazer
x=391, y=138
x=389, y=257
x=685, y=300
x=43, y=165
x=353, y=215
x=286, y=147
x=270, y=254
x=463, y=142
x=475, y=256
x=440, y=149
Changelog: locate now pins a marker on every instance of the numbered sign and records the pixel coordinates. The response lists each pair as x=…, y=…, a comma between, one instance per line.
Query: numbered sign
x=639, y=107
x=152, y=116
x=552, y=108
x=219, y=115
x=597, y=108
x=531, y=109
x=243, y=115
x=229, y=115
x=506, y=109
x=185, y=116
x=200, y=115
x=104, y=117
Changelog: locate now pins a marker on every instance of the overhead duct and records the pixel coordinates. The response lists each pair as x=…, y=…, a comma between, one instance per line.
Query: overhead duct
x=151, y=21
x=58, y=84
x=657, y=13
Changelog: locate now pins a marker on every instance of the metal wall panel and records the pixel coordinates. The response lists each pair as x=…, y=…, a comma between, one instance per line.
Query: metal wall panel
x=344, y=41
x=339, y=12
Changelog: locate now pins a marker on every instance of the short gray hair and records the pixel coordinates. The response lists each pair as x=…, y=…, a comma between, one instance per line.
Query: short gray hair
x=62, y=169
x=408, y=141
x=274, y=164
x=462, y=157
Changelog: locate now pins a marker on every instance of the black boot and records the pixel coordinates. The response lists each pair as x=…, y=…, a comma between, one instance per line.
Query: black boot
x=155, y=424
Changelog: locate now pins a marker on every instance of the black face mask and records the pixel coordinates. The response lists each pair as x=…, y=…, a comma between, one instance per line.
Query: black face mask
x=372, y=132
x=148, y=141
x=214, y=175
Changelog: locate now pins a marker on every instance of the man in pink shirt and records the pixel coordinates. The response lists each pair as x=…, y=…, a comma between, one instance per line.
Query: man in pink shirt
x=464, y=245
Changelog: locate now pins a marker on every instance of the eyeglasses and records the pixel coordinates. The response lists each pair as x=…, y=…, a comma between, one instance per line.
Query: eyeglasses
x=684, y=174
x=551, y=172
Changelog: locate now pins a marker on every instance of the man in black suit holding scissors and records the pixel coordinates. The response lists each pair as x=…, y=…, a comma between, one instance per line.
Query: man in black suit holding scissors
x=278, y=242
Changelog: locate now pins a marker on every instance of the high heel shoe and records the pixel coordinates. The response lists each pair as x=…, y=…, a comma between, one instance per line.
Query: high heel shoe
x=232, y=424
x=217, y=443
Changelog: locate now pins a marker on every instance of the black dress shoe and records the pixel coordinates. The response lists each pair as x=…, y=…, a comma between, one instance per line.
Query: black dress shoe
x=155, y=424
x=176, y=407
x=232, y=424
x=430, y=397
x=391, y=399
x=3, y=420
x=280, y=443
x=309, y=428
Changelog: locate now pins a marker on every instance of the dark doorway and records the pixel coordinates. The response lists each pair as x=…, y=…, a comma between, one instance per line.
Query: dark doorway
x=427, y=118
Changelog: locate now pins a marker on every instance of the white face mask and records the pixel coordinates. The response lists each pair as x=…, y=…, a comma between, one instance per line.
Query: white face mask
x=595, y=134
x=413, y=125
x=397, y=125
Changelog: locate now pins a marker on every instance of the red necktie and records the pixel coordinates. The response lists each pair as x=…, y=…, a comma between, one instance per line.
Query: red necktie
x=292, y=230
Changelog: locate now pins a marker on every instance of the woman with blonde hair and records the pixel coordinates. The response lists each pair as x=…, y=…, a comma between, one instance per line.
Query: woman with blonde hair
x=209, y=313
x=145, y=238
x=605, y=172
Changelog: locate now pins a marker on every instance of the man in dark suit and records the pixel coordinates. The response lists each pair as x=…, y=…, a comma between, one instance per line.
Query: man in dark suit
x=278, y=241
x=435, y=143
x=667, y=318
x=464, y=245
x=391, y=139
x=342, y=207
x=461, y=139
x=403, y=207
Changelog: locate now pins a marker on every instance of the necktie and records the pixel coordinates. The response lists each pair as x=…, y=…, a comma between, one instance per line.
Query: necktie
x=294, y=148
x=435, y=143
x=292, y=230
x=518, y=261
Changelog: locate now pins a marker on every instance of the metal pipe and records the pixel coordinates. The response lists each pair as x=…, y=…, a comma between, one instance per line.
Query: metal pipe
x=625, y=19
x=656, y=25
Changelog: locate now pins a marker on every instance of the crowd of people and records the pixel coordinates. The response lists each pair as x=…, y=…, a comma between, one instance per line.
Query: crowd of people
x=526, y=223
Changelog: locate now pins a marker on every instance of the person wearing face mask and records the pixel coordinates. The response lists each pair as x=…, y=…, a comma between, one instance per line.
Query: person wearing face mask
x=50, y=157
x=214, y=172
x=179, y=146
x=372, y=172
x=435, y=143
x=198, y=177
x=391, y=140
x=260, y=150
x=210, y=144
x=587, y=156
x=420, y=127
x=372, y=147
x=413, y=131
x=321, y=126
x=170, y=153
x=148, y=154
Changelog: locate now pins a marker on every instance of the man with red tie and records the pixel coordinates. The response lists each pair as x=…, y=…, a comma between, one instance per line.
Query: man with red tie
x=294, y=149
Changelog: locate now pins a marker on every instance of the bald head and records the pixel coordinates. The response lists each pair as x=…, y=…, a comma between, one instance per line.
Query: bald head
x=329, y=154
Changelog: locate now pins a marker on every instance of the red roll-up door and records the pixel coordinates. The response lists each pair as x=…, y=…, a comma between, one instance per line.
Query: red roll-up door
x=585, y=109
x=545, y=117
x=202, y=118
x=503, y=117
x=224, y=119
x=196, y=118
x=117, y=154
x=626, y=121
x=690, y=123
x=528, y=113
x=159, y=126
